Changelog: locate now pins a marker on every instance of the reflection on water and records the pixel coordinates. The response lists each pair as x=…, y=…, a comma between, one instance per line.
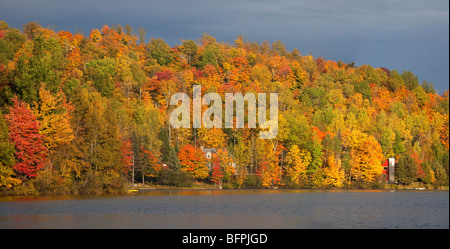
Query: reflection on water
x=231, y=209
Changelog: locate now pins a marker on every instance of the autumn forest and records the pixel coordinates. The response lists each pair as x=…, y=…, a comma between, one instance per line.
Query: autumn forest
x=89, y=113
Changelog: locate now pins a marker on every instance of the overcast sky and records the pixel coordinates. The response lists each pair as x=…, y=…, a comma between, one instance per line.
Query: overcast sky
x=397, y=34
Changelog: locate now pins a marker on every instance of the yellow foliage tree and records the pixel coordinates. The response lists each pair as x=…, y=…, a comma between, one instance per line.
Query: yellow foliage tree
x=7, y=175
x=212, y=138
x=366, y=156
x=53, y=114
x=334, y=174
x=295, y=166
x=124, y=72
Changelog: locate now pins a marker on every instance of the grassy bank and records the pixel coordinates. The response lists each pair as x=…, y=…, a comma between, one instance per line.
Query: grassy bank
x=151, y=186
x=202, y=185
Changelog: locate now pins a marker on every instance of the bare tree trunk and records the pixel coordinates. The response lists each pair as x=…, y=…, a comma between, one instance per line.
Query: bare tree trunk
x=132, y=174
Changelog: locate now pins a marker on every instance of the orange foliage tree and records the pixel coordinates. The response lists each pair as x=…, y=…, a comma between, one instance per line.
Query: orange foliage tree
x=193, y=161
x=269, y=169
x=152, y=167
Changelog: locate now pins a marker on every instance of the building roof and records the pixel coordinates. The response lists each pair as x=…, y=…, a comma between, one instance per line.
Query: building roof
x=212, y=150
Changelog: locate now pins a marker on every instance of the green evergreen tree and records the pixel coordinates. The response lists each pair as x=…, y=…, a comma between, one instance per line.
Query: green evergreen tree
x=405, y=171
x=101, y=74
x=398, y=147
x=159, y=50
x=44, y=65
x=169, y=153
x=190, y=50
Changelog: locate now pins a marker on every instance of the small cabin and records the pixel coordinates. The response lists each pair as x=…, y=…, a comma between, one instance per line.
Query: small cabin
x=209, y=152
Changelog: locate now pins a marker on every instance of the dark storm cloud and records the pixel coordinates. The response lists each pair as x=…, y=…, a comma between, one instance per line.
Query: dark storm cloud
x=403, y=34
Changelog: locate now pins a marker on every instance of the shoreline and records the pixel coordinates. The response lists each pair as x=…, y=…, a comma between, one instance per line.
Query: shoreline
x=208, y=187
x=200, y=186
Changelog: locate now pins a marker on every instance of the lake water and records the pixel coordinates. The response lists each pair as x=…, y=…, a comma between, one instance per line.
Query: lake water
x=268, y=209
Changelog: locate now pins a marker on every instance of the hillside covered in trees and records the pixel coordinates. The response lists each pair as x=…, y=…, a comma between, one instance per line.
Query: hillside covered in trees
x=84, y=113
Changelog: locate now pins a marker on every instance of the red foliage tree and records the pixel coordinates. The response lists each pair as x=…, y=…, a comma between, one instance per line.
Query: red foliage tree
x=164, y=75
x=217, y=173
x=30, y=152
x=127, y=154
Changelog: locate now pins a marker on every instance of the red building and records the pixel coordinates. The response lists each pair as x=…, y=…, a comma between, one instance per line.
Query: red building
x=385, y=170
x=388, y=169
